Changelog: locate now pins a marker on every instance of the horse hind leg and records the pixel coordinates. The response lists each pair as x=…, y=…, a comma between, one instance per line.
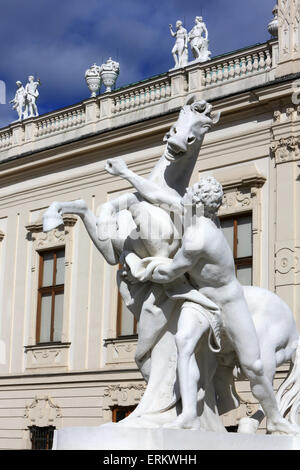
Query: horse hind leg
x=250, y=424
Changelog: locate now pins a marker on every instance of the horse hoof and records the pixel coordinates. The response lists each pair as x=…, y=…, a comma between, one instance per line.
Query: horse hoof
x=248, y=426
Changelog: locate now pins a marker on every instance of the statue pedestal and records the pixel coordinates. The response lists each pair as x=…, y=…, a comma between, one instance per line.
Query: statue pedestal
x=120, y=437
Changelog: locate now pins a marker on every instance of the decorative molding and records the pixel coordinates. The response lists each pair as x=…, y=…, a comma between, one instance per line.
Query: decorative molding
x=277, y=116
x=289, y=113
x=287, y=263
x=287, y=259
x=286, y=149
x=52, y=239
x=120, y=350
x=48, y=356
x=240, y=187
x=121, y=395
x=288, y=22
x=236, y=201
x=42, y=412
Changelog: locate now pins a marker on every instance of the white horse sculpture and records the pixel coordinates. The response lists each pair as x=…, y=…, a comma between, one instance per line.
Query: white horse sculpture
x=157, y=310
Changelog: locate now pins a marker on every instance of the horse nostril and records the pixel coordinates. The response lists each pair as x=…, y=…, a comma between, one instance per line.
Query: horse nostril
x=191, y=140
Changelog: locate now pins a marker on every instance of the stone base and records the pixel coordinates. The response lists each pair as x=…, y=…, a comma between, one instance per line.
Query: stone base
x=115, y=437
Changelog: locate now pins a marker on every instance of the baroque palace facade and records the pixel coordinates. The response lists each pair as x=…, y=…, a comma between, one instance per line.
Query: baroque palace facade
x=67, y=342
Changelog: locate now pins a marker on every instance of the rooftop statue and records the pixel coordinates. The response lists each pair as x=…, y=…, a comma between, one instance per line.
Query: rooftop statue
x=19, y=100
x=180, y=49
x=32, y=93
x=24, y=101
x=199, y=43
x=197, y=326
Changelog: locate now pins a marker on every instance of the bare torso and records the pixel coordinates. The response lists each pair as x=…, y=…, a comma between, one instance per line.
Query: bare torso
x=214, y=272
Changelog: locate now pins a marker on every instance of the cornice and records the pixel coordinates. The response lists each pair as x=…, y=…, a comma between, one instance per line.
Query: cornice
x=233, y=178
x=144, y=128
x=69, y=221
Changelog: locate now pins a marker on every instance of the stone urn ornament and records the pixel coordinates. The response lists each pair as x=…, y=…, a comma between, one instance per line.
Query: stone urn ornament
x=273, y=25
x=93, y=80
x=109, y=72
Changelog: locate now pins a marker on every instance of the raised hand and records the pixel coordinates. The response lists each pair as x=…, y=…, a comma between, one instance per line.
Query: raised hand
x=116, y=166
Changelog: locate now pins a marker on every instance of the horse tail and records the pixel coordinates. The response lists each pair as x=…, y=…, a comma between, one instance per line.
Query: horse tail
x=288, y=395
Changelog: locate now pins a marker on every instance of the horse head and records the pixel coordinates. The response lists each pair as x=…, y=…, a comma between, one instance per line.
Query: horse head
x=194, y=121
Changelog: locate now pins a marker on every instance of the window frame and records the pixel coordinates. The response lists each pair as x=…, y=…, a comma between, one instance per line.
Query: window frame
x=41, y=438
x=53, y=290
x=246, y=261
x=118, y=408
x=119, y=320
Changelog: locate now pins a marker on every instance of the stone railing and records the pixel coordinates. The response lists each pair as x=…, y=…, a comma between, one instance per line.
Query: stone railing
x=227, y=74
x=60, y=122
x=142, y=95
x=236, y=67
x=5, y=139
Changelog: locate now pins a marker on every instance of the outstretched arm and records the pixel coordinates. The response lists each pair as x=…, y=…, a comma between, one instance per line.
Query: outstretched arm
x=148, y=189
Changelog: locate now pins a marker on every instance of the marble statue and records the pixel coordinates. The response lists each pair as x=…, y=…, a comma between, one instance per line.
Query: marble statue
x=197, y=326
x=199, y=43
x=19, y=100
x=206, y=256
x=32, y=93
x=180, y=49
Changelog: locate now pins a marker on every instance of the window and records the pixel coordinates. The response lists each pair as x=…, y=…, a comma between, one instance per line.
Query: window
x=41, y=437
x=232, y=428
x=238, y=232
x=121, y=412
x=126, y=322
x=50, y=296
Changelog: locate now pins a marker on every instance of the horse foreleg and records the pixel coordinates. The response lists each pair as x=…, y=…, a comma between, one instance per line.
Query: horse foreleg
x=53, y=217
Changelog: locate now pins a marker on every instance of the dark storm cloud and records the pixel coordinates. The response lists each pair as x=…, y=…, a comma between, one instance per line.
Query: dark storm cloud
x=59, y=39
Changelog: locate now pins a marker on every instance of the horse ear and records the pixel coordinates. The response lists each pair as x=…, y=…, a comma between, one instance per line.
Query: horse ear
x=215, y=117
x=190, y=100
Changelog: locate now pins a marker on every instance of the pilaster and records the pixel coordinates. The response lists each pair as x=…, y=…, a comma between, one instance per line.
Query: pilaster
x=17, y=133
x=286, y=154
x=288, y=37
x=179, y=87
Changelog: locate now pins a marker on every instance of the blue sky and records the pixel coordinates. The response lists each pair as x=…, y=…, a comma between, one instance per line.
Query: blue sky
x=59, y=39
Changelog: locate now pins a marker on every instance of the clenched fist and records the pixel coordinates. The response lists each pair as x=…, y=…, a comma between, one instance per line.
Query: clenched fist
x=116, y=166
